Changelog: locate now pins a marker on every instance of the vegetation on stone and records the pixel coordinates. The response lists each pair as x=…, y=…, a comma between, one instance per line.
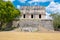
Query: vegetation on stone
x=7, y=13
x=56, y=20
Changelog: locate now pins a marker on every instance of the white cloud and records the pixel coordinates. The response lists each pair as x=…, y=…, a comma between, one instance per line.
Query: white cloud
x=40, y=1
x=22, y=1
x=9, y=0
x=48, y=16
x=18, y=6
x=53, y=7
x=35, y=3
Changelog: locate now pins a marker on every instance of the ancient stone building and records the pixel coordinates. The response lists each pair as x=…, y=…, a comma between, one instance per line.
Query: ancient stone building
x=33, y=19
x=36, y=12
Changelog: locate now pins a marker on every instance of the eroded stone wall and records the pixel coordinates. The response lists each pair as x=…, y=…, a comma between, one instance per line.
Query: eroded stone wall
x=32, y=25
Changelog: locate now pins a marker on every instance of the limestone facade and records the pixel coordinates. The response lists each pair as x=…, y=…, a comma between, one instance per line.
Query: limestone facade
x=33, y=19
x=35, y=11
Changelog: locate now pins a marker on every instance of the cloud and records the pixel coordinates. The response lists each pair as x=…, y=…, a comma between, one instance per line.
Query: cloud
x=9, y=0
x=53, y=7
x=18, y=6
x=48, y=16
x=22, y=1
x=35, y=3
x=39, y=1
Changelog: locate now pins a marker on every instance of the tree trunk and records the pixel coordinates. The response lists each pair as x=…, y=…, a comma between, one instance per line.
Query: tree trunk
x=1, y=24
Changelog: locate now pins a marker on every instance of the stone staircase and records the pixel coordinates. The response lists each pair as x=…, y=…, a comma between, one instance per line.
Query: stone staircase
x=44, y=29
x=41, y=29
x=32, y=24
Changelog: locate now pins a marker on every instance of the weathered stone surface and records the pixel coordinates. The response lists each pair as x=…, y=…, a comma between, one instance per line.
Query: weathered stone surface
x=33, y=25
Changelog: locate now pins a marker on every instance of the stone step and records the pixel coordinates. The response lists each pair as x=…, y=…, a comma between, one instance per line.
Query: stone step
x=41, y=29
x=44, y=29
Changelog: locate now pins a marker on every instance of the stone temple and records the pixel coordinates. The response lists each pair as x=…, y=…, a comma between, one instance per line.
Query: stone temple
x=33, y=12
x=33, y=19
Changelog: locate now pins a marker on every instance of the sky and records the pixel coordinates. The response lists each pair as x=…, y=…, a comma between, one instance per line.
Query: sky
x=51, y=6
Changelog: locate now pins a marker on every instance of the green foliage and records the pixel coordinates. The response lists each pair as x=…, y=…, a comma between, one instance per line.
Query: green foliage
x=7, y=12
x=56, y=20
x=8, y=29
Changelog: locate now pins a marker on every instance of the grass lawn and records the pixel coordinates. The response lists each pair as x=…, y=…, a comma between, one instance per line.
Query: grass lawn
x=29, y=36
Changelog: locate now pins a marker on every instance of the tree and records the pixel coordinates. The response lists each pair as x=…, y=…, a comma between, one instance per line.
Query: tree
x=7, y=12
x=56, y=20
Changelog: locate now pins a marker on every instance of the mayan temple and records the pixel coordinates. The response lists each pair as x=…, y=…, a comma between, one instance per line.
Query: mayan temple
x=33, y=19
x=35, y=12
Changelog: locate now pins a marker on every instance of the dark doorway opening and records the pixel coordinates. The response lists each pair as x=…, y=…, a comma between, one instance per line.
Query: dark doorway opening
x=31, y=15
x=24, y=16
x=39, y=15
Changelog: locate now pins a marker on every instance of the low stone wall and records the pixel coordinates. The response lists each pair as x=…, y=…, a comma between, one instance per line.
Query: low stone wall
x=32, y=25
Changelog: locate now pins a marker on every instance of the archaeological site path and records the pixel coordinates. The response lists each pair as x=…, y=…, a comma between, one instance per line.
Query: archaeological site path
x=29, y=36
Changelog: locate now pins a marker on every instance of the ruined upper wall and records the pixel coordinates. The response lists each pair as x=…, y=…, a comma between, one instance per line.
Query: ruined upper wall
x=32, y=9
